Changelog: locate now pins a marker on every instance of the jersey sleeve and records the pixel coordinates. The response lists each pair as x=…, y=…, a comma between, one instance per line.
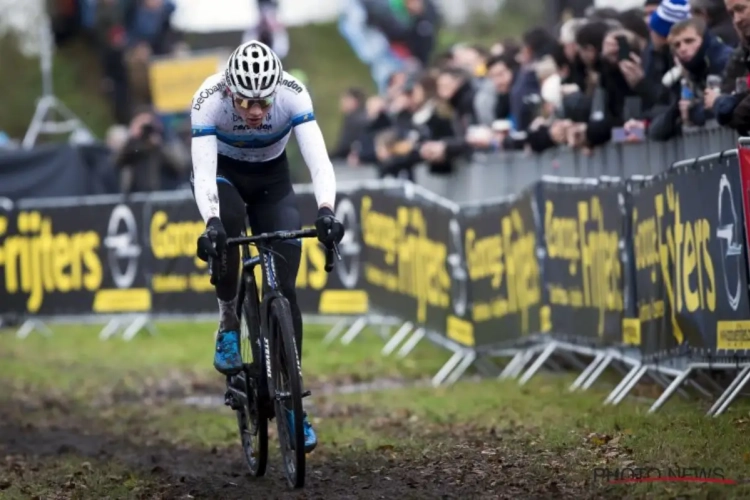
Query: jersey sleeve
x=204, y=148
x=204, y=108
x=313, y=149
x=301, y=108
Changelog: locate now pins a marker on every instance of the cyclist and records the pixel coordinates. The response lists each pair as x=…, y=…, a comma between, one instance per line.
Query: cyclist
x=241, y=120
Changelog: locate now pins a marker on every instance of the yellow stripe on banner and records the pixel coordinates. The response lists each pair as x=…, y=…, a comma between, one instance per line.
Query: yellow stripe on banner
x=631, y=331
x=733, y=335
x=116, y=300
x=460, y=330
x=344, y=302
x=545, y=319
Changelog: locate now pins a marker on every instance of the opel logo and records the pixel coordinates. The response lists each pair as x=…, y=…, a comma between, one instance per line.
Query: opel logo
x=349, y=248
x=728, y=234
x=459, y=276
x=122, y=246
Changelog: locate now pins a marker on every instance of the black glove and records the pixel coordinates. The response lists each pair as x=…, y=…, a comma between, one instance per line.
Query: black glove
x=329, y=229
x=213, y=241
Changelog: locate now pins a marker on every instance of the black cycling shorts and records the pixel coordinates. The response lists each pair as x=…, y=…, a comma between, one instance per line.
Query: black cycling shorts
x=266, y=190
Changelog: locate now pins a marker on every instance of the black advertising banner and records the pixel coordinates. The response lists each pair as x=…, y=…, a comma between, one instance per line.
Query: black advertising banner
x=76, y=259
x=582, y=271
x=652, y=300
x=691, y=259
x=339, y=292
x=179, y=280
x=405, y=256
x=12, y=265
x=500, y=241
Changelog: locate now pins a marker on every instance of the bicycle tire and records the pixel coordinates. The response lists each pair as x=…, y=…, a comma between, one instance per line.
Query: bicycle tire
x=285, y=361
x=253, y=413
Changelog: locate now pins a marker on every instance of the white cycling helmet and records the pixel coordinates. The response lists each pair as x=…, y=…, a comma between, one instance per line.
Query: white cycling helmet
x=253, y=71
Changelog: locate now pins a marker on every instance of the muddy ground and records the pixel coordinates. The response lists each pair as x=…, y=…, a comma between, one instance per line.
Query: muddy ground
x=448, y=462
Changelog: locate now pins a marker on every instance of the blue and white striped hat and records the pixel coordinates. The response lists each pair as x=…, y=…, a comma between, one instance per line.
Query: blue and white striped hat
x=668, y=13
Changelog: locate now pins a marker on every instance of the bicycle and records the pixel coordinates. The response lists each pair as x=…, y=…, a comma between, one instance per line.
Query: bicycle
x=266, y=327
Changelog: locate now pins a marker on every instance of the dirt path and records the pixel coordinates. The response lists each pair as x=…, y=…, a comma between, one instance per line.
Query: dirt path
x=459, y=464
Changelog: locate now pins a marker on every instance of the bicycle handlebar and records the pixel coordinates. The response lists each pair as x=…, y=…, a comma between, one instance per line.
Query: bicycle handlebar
x=331, y=252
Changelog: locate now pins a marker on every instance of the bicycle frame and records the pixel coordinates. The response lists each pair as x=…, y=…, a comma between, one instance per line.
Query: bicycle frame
x=266, y=259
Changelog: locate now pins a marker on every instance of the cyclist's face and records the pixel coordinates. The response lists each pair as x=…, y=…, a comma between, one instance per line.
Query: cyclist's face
x=253, y=111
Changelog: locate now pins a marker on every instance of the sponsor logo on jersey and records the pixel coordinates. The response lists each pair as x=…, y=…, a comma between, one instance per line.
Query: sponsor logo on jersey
x=292, y=85
x=264, y=126
x=205, y=94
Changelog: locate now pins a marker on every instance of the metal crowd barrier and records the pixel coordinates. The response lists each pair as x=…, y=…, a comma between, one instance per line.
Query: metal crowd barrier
x=491, y=175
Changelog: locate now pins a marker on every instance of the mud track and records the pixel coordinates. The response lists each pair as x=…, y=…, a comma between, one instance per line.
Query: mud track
x=456, y=463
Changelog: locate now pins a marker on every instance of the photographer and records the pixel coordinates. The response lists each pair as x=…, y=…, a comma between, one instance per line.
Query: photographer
x=146, y=159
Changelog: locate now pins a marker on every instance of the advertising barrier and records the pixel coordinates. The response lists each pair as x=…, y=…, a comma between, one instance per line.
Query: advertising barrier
x=658, y=262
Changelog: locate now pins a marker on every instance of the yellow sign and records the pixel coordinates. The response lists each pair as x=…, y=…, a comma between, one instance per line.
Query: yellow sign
x=631, y=331
x=460, y=330
x=733, y=335
x=175, y=80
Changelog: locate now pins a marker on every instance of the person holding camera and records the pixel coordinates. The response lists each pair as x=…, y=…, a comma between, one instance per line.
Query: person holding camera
x=147, y=158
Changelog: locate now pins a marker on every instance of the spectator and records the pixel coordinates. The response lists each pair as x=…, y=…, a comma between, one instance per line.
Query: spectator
x=649, y=8
x=699, y=54
x=146, y=158
x=470, y=58
x=429, y=121
x=719, y=22
x=410, y=25
x=148, y=33
x=614, y=100
x=651, y=75
x=632, y=20
x=111, y=37
x=575, y=68
x=537, y=43
x=731, y=105
x=492, y=101
x=354, y=123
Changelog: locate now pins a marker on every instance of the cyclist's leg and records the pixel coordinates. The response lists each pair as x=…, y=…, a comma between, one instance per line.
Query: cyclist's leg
x=227, y=358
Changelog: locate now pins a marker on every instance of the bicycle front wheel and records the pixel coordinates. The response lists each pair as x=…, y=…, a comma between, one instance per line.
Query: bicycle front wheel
x=287, y=376
x=252, y=419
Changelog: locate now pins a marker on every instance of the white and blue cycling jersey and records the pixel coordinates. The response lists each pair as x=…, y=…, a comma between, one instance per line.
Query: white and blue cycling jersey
x=218, y=130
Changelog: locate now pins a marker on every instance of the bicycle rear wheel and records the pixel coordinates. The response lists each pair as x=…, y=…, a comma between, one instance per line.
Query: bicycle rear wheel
x=252, y=419
x=287, y=376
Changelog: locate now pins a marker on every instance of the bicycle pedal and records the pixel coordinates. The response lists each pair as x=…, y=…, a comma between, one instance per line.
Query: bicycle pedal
x=228, y=399
x=306, y=393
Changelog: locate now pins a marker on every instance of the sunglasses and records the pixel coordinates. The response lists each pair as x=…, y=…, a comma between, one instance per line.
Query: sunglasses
x=249, y=103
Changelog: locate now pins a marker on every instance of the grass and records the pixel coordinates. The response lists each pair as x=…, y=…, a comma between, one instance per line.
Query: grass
x=542, y=427
x=44, y=478
x=75, y=351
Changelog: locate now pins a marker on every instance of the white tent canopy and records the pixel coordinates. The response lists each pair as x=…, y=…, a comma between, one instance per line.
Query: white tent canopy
x=238, y=15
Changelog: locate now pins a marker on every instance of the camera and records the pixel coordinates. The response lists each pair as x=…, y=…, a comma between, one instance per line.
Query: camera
x=147, y=130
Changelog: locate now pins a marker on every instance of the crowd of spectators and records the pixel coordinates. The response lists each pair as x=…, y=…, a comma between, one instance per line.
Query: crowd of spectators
x=640, y=74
